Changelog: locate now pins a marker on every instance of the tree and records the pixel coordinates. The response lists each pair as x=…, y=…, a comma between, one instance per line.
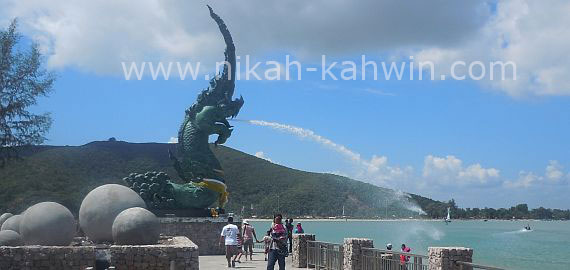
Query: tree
x=521, y=210
x=22, y=81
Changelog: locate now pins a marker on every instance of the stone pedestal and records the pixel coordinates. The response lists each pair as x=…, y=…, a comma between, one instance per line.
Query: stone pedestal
x=300, y=249
x=444, y=258
x=353, y=252
x=204, y=232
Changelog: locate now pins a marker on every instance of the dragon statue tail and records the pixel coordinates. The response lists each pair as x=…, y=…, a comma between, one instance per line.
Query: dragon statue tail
x=228, y=77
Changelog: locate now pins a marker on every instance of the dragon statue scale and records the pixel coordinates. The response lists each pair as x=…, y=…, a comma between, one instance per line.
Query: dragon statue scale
x=202, y=175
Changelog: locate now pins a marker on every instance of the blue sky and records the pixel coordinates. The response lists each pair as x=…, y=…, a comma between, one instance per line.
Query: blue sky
x=443, y=139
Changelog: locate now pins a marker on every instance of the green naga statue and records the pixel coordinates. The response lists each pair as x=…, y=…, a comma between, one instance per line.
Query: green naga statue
x=203, y=176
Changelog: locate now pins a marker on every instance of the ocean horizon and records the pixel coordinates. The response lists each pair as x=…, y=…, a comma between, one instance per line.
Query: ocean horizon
x=498, y=243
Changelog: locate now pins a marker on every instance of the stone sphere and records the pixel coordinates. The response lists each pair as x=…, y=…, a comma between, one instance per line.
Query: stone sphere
x=136, y=226
x=47, y=224
x=12, y=223
x=100, y=207
x=4, y=217
x=10, y=238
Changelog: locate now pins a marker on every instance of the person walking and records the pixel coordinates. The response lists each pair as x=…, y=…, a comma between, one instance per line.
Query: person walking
x=229, y=236
x=266, y=243
x=248, y=237
x=278, y=247
x=290, y=234
x=239, y=251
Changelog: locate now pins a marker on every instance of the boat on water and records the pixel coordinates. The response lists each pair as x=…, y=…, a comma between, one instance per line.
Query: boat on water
x=527, y=228
x=448, y=218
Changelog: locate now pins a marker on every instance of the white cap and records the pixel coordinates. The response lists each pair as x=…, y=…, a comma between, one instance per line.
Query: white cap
x=245, y=221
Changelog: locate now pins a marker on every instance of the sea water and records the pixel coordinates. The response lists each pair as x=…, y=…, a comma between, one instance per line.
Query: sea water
x=496, y=243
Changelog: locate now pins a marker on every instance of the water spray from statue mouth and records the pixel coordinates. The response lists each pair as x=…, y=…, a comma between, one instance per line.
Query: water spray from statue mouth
x=399, y=197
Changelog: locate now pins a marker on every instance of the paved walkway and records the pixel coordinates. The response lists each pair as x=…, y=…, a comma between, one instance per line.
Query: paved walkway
x=219, y=263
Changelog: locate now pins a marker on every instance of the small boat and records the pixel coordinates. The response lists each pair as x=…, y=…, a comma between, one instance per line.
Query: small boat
x=527, y=227
x=448, y=218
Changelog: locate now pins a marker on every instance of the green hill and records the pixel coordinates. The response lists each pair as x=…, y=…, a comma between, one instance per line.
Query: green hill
x=65, y=174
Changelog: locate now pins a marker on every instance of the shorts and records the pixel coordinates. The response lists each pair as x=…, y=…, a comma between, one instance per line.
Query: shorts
x=231, y=250
x=248, y=243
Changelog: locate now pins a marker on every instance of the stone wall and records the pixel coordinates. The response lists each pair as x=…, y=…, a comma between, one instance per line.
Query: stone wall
x=204, y=232
x=178, y=254
x=46, y=258
x=353, y=252
x=444, y=258
x=300, y=249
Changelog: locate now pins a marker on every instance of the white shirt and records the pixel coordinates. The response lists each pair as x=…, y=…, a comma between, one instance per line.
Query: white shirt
x=230, y=233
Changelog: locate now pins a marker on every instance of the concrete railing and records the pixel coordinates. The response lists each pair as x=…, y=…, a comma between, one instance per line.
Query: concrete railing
x=391, y=260
x=359, y=254
x=322, y=255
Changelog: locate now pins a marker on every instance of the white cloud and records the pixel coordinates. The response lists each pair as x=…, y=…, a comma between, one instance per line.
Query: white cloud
x=449, y=170
x=440, y=177
x=553, y=176
x=339, y=173
x=554, y=171
x=311, y=135
x=98, y=35
x=262, y=155
x=475, y=171
x=376, y=170
x=173, y=140
x=532, y=34
x=525, y=180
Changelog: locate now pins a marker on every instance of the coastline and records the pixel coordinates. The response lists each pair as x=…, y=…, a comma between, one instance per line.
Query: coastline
x=395, y=220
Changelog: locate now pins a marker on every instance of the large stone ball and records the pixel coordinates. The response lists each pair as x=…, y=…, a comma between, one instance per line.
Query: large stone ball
x=47, y=224
x=12, y=223
x=136, y=226
x=10, y=238
x=4, y=217
x=100, y=207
